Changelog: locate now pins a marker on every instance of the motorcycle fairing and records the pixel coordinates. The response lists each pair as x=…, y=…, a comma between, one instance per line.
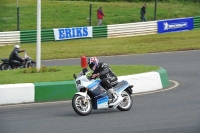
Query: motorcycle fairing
x=99, y=93
x=93, y=85
x=101, y=101
x=121, y=86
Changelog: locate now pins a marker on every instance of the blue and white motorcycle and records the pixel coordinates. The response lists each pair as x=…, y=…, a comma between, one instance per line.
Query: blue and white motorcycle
x=91, y=95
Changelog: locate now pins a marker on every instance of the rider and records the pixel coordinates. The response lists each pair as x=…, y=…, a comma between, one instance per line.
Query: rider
x=14, y=58
x=108, y=78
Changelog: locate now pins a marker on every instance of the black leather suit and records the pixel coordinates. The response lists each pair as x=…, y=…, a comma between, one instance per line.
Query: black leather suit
x=108, y=78
x=14, y=58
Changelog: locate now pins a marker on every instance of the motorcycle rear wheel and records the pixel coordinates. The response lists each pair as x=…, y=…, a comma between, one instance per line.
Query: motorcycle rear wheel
x=5, y=67
x=80, y=107
x=126, y=104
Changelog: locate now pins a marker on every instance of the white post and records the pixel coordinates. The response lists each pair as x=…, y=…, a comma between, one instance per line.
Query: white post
x=38, y=57
x=17, y=3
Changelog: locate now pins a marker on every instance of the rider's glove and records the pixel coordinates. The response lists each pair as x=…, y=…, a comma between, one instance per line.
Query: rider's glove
x=95, y=75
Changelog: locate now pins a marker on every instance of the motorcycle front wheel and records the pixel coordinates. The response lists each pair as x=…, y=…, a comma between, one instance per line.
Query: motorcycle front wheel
x=80, y=106
x=126, y=104
x=31, y=64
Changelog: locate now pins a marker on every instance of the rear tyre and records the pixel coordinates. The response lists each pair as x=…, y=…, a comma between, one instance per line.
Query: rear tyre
x=126, y=104
x=80, y=107
x=5, y=67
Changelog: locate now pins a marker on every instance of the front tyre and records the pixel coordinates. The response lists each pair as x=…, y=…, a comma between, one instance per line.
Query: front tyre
x=31, y=65
x=126, y=104
x=80, y=107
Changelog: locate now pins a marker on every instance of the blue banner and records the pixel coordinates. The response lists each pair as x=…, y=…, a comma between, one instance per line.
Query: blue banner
x=174, y=25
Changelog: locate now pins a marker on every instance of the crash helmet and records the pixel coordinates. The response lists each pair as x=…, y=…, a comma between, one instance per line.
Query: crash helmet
x=93, y=63
x=16, y=46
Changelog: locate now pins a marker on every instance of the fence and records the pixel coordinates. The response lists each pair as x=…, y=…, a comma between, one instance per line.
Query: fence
x=109, y=31
x=30, y=36
x=10, y=37
x=132, y=29
x=197, y=22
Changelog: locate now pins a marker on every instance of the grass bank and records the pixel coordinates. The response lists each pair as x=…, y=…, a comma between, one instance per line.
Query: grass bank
x=65, y=73
x=179, y=41
x=62, y=14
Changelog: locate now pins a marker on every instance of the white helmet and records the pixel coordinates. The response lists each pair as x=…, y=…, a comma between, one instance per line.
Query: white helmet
x=17, y=46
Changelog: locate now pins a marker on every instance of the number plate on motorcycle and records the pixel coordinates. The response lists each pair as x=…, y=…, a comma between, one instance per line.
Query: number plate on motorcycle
x=78, y=82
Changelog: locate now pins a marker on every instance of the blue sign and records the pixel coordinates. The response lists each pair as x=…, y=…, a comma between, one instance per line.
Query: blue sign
x=174, y=25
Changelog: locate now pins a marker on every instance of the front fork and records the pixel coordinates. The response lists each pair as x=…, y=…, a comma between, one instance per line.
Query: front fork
x=84, y=94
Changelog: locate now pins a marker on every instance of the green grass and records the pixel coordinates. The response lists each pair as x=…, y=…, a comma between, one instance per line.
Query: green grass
x=73, y=14
x=62, y=14
x=65, y=73
x=179, y=41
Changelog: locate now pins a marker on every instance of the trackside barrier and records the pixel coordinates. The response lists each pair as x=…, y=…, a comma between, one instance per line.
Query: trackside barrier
x=197, y=22
x=132, y=29
x=11, y=37
x=109, y=31
x=99, y=31
x=53, y=91
x=30, y=36
x=65, y=90
x=17, y=93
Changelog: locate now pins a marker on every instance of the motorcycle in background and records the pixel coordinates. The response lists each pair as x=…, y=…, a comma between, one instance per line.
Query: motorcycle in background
x=25, y=64
x=92, y=95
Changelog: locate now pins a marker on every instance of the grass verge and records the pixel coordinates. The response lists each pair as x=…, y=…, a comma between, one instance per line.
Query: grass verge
x=62, y=14
x=178, y=41
x=65, y=73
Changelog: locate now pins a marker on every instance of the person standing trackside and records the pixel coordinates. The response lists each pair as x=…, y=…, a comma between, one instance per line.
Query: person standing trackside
x=100, y=15
x=142, y=13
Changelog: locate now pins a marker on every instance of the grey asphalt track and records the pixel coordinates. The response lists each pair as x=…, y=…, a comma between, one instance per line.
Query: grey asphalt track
x=172, y=111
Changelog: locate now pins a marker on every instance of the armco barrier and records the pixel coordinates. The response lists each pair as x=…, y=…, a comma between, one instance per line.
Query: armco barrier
x=30, y=36
x=99, y=31
x=197, y=22
x=132, y=29
x=64, y=90
x=109, y=31
x=11, y=37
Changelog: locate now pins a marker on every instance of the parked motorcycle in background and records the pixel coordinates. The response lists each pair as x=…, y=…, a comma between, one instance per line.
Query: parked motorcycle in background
x=91, y=95
x=25, y=64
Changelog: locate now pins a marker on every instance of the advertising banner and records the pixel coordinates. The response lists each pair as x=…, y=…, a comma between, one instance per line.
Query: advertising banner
x=72, y=33
x=174, y=25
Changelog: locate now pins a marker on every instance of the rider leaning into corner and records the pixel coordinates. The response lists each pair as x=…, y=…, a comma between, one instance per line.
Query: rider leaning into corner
x=108, y=78
x=14, y=58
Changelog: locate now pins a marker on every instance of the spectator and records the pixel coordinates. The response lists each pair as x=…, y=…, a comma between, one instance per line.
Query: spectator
x=100, y=15
x=143, y=12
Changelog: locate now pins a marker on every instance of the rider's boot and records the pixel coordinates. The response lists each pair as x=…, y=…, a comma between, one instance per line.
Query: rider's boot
x=116, y=97
x=112, y=95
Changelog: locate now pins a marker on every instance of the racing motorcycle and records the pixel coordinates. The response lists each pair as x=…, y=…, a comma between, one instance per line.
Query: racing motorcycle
x=92, y=95
x=25, y=64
